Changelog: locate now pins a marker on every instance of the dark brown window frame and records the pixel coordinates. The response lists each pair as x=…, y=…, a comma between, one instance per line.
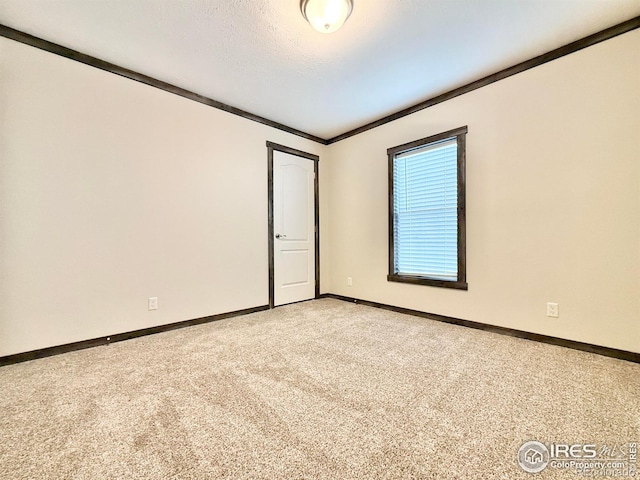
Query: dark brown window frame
x=461, y=283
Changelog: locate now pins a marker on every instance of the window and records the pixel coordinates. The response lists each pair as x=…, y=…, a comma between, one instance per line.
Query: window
x=427, y=211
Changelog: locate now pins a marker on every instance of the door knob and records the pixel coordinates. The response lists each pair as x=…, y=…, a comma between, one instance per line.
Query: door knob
x=280, y=236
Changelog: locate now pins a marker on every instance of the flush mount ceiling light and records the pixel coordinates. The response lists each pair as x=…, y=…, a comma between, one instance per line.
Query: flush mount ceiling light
x=326, y=16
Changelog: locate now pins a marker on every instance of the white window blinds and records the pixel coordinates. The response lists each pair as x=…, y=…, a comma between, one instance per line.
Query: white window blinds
x=425, y=208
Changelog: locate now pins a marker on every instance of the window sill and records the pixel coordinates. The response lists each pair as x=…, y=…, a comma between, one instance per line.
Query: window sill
x=427, y=281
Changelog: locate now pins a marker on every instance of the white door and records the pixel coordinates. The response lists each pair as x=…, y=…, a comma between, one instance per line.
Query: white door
x=293, y=228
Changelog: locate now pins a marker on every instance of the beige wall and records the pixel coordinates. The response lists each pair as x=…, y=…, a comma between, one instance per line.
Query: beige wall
x=112, y=192
x=553, y=200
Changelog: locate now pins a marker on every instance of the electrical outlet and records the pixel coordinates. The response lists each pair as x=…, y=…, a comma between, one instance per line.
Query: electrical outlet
x=349, y=281
x=553, y=310
x=153, y=303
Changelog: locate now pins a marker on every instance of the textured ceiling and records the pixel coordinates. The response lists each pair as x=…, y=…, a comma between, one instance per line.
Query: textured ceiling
x=261, y=55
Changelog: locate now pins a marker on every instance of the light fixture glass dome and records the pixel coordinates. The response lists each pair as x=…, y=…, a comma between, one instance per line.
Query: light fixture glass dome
x=326, y=16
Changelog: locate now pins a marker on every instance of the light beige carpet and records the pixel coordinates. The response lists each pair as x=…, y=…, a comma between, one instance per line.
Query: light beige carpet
x=318, y=390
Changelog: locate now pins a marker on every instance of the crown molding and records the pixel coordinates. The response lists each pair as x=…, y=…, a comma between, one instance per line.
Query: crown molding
x=568, y=49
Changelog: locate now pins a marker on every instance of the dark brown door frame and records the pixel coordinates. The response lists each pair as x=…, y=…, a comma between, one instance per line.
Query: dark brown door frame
x=314, y=158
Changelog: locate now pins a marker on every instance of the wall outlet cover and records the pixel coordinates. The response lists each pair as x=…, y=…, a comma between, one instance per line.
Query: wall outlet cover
x=553, y=310
x=153, y=303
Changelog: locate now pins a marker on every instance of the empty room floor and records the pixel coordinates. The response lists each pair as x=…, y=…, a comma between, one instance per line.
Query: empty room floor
x=323, y=389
